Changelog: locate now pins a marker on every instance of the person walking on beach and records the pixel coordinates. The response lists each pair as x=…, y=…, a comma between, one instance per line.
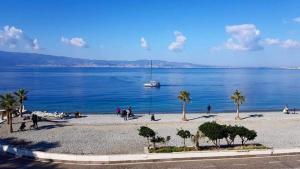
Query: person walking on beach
x=208, y=108
x=118, y=111
x=35, y=120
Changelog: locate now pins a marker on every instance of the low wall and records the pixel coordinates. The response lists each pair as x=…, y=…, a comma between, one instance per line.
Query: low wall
x=140, y=157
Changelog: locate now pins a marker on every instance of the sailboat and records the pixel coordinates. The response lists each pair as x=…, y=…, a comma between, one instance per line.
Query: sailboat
x=152, y=83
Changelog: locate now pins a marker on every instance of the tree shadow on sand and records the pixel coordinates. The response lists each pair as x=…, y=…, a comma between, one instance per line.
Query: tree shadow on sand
x=252, y=116
x=38, y=146
x=204, y=116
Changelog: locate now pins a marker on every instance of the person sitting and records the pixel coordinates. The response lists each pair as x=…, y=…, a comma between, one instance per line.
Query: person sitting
x=77, y=115
x=152, y=117
x=22, y=127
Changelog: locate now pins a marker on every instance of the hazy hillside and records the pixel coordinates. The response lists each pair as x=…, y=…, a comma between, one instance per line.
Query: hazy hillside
x=11, y=59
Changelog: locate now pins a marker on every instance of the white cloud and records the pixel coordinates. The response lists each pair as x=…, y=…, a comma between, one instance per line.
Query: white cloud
x=12, y=37
x=180, y=40
x=271, y=41
x=35, y=44
x=144, y=43
x=297, y=19
x=289, y=43
x=244, y=37
x=78, y=42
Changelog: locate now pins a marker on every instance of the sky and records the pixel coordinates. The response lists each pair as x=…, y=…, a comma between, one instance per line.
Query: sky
x=209, y=32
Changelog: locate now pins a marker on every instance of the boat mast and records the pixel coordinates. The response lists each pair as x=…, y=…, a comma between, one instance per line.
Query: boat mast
x=151, y=70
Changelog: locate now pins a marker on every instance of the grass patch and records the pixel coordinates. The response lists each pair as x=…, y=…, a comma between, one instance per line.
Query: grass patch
x=171, y=149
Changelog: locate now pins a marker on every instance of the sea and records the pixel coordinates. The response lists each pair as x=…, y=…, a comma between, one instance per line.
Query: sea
x=101, y=90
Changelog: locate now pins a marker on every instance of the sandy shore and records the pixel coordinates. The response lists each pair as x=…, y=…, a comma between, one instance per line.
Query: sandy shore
x=110, y=134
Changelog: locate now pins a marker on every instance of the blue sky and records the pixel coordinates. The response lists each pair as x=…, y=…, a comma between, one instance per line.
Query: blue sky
x=213, y=32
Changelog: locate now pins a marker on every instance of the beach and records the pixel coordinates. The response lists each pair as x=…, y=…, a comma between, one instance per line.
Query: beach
x=110, y=134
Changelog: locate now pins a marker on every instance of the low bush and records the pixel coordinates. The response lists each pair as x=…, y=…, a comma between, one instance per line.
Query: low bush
x=184, y=134
x=214, y=132
x=146, y=132
x=246, y=134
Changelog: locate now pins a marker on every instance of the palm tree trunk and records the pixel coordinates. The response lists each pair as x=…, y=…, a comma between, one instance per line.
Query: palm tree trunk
x=238, y=112
x=10, y=122
x=21, y=109
x=184, y=112
x=7, y=116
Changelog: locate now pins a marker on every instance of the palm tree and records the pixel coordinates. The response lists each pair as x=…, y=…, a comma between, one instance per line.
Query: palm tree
x=8, y=102
x=22, y=96
x=184, y=97
x=238, y=99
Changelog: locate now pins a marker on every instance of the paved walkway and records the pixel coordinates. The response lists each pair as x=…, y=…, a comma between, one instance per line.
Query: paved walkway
x=266, y=162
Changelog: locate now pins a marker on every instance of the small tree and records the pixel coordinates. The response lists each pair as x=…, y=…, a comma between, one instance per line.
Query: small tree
x=146, y=132
x=246, y=134
x=238, y=99
x=184, y=134
x=214, y=132
x=157, y=139
x=8, y=103
x=232, y=132
x=195, y=139
x=184, y=97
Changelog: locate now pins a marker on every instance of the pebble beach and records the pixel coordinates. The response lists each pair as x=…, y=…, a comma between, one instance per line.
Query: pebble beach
x=110, y=134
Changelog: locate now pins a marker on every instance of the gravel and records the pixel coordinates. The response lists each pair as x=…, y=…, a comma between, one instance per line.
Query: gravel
x=109, y=134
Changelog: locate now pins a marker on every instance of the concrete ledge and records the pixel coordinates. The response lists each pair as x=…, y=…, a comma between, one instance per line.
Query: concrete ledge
x=105, y=159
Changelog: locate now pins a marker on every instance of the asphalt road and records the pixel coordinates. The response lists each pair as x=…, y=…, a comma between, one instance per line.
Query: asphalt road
x=267, y=162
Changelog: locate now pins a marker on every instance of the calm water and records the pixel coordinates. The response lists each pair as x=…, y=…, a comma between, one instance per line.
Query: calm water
x=102, y=89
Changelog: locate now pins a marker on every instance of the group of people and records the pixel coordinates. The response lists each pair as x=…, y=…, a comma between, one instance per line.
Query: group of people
x=287, y=111
x=34, y=125
x=125, y=113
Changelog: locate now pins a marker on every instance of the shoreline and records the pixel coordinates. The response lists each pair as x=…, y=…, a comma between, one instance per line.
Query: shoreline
x=193, y=112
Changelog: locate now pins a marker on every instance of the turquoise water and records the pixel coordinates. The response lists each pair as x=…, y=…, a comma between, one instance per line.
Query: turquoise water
x=102, y=89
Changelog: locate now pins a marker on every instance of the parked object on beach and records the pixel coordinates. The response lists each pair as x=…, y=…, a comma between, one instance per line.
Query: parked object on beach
x=184, y=97
x=238, y=99
x=286, y=110
x=46, y=115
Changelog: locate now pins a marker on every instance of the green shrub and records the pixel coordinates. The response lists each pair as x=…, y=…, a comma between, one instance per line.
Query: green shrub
x=246, y=134
x=184, y=134
x=232, y=132
x=171, y=149
x=214, y=132
x=146, y=132
x=159, y=139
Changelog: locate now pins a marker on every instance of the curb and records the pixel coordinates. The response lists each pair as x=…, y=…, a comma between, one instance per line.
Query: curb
x=124, y=158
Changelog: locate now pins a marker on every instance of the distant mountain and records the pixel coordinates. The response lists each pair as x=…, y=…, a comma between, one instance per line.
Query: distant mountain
x=14, y=59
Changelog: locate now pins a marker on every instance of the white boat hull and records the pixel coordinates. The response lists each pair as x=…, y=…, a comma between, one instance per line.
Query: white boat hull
x=152, y=84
